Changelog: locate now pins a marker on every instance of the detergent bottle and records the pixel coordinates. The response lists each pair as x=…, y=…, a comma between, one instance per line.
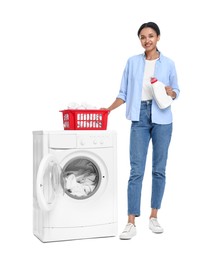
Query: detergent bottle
x=162, y=99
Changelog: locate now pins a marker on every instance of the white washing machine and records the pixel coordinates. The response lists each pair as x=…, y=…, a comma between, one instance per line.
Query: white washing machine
x=74, y=184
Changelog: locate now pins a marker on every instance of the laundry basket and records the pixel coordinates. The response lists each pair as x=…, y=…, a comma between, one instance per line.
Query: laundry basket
x=84, y=119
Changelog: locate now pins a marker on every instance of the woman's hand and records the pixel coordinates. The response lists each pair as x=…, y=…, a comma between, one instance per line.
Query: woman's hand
x=103, y=108
x=170, y=92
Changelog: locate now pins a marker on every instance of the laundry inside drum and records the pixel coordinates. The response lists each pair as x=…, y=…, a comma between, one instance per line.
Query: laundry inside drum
x=81, y=178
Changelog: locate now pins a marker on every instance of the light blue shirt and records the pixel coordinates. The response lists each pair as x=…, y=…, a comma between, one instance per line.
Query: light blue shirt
x=132, y=82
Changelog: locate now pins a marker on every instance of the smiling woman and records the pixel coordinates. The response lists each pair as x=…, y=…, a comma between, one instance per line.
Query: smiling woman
x=149, y=122
x=149, y=35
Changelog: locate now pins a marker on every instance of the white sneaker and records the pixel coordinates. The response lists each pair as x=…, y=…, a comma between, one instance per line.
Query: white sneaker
x=128, y=232
x=155, y=226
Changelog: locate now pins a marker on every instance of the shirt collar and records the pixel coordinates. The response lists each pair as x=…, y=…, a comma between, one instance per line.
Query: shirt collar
x=160, y=56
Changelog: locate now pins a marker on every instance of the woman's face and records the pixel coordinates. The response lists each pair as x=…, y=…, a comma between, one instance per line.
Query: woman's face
x=148, y=38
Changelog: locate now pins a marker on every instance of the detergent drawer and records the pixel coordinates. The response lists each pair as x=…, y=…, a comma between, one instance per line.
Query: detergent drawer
x=62, y=141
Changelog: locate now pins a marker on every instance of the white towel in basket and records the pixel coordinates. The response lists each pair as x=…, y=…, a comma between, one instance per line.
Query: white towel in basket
x=83, y=105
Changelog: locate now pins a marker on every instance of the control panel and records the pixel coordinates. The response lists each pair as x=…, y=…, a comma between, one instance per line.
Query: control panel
x=94, y=140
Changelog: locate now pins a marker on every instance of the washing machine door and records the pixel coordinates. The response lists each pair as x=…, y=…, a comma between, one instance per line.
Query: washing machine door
x=48, y=182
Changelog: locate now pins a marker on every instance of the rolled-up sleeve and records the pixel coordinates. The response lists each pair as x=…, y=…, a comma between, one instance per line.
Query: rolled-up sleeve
x=174, y=80
x=124, y=84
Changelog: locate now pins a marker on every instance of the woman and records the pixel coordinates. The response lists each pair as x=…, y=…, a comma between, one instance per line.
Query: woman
x=148, y=122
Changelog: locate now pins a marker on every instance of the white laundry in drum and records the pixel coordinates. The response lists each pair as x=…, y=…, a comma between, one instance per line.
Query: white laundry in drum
x=81, y=185
x=80, y=179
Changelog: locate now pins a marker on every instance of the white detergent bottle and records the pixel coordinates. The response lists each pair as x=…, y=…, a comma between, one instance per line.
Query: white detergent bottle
x=162, y=99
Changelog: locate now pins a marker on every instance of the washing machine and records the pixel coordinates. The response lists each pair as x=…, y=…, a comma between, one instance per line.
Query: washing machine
x=74, y=184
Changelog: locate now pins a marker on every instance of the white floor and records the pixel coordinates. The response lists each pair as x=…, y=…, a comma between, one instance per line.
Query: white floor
x=178, y=242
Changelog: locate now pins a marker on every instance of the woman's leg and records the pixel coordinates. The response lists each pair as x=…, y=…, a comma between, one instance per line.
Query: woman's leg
x=131, y=219
x=139, y=142
x=161, y=137
x=153, y=213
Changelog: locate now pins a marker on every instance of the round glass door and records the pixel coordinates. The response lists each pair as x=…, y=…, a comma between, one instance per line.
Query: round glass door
x=48, y=180
x=81, y=178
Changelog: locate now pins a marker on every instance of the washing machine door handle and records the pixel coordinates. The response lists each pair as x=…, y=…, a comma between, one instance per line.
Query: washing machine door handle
x=48, y=182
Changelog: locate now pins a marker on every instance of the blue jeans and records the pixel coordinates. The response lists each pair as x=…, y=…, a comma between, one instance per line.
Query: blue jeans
x=141, y=133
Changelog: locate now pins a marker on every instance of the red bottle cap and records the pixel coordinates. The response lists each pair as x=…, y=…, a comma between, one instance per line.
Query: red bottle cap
x=153, y=80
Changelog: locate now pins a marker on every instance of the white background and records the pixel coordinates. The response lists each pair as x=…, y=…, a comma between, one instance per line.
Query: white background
x=56, y=52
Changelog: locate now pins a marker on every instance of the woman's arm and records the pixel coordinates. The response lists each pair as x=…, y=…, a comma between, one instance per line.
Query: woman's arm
x=118, y=102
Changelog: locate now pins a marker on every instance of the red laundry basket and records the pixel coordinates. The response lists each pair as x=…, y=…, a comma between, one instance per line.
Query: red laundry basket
x=79, y=119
